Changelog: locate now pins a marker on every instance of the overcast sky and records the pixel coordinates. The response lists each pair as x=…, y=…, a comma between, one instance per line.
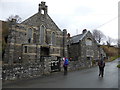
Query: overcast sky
x=73, y=15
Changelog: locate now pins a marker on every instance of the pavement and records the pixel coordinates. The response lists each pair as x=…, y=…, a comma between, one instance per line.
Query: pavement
x=87, y=78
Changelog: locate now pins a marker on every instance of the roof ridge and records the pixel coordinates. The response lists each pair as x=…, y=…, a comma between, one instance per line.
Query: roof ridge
x=77, y=35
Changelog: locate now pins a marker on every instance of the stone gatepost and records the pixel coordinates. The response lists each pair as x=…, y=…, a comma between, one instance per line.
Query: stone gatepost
x=47, y=65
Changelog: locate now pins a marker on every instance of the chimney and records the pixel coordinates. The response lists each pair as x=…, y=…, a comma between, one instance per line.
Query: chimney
x=84, y=31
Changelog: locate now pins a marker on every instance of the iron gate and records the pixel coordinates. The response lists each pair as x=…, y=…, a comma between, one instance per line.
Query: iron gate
x=55, y=65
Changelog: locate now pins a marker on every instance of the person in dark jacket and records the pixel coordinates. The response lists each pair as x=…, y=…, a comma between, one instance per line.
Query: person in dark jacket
x=101, y=65
x=65, y=65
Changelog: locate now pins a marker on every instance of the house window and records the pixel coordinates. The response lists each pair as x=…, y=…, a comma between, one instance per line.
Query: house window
x=88, y=41
x=89, y=53
x=53, y=39
x=42, y=34
x=25, y=49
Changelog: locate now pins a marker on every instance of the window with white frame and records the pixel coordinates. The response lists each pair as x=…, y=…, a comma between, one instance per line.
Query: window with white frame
x=88, y=41
x=89, y=53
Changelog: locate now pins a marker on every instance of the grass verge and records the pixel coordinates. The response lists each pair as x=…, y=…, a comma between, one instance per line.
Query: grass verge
x=112, y=58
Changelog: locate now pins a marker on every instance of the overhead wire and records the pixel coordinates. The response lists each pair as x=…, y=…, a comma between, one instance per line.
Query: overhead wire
x=107, y=22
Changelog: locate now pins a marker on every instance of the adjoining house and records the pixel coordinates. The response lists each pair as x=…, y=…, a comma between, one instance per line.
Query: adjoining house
x=83, y=47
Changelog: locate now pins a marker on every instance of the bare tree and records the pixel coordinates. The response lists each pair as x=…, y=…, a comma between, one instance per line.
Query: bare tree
x=118, y=43
x=98, y=35
x=17, y=18
x=109, y=41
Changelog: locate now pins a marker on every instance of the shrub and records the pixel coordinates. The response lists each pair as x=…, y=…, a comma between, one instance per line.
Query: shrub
x=118, y=65
x=93, y=62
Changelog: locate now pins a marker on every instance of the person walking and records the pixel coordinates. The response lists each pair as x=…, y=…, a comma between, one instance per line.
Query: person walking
x=65, y=65
x=101, y=65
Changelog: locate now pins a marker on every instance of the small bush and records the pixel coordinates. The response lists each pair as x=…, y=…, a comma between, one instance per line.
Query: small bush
x=118, y=66
x=93, y=62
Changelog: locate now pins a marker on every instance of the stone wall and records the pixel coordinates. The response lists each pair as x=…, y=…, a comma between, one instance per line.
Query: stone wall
x=18, y=71
x=37, y=68
x=76, y=65
x=26, y=70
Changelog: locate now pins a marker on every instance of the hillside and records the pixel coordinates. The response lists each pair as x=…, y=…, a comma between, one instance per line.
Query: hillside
x=111, y=52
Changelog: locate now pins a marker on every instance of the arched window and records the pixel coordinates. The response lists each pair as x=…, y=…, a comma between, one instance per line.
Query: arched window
x=88, y=41
x=29, y=36
x=53, y=39
x=42, y=34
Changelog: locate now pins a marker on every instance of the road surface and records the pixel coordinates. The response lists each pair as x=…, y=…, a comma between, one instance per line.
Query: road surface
x=0, y=76
x=87, y=78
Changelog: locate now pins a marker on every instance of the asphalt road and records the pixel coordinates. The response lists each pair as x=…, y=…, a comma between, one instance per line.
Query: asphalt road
x=87, y=78
x=0, y=77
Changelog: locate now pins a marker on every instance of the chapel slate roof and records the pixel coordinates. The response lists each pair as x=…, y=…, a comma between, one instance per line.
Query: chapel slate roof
x=39, y=19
